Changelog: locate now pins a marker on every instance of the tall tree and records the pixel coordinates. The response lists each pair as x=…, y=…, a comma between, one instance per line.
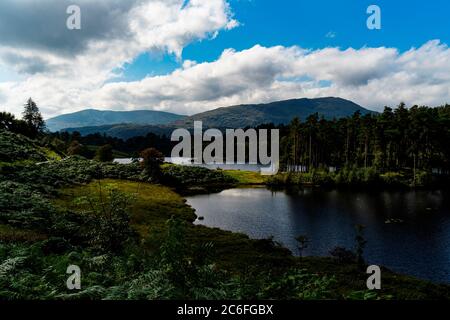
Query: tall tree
x=7, y=121
x=151, y=162
x=33, y=117
x=105, y=153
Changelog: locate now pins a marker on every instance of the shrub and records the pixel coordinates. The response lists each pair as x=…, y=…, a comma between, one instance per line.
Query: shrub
x=109, y=224
x=279, y=179
x=356, y=176
x=104, y=153
x=298, y=284
x=360, y=244
x=302, y=243
x=393, y=179
x=423, y=178
x=185, y=177
x=22, y=206
x=15, y=147
x=77, y=149
x=343, y=255
x=151, y=162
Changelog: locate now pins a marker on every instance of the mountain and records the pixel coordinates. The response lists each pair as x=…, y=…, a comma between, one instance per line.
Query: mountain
x=124, y=130
x=91, y=117
x=240, y=116
x=280, y=112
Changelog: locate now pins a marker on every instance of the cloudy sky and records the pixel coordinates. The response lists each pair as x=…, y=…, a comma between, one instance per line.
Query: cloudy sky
x=190, y=56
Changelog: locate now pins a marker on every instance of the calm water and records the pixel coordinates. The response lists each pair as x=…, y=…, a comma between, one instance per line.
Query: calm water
x=419, y=246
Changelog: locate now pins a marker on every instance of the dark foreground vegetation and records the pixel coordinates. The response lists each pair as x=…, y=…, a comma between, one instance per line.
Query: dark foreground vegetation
x=132, y=235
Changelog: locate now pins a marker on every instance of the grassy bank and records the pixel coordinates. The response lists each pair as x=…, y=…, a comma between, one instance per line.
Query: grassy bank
x=153, y=205
x=359, y=178
x=370, y=178
x=247, y=177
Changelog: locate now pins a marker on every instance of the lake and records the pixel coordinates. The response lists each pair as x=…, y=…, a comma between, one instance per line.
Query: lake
x=407, y=231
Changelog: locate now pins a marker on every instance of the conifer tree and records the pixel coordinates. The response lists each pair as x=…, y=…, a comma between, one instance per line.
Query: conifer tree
x=33, y=117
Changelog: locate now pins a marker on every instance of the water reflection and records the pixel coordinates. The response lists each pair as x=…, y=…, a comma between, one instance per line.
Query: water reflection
x=406, y=231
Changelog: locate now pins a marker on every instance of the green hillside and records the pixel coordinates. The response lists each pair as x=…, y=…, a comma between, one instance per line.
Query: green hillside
x=280, y=112
x=241, y=116
x=15, y=148
x=87, y=118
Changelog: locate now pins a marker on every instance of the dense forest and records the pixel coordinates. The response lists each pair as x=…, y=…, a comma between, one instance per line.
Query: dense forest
x=398, y=147
x=395, y=139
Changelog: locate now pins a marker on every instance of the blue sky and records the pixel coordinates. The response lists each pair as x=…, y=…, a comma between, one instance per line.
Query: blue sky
x=309, y=24
x=190, y=56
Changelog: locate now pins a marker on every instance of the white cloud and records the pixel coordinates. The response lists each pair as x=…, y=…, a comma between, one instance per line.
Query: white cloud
x=372, y=77
x=64, y=68
x=63, y=80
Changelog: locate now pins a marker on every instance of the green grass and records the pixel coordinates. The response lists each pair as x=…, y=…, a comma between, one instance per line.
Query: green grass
x=154, y=204
x=241, y=177
x=50, y=154
x=246, y=177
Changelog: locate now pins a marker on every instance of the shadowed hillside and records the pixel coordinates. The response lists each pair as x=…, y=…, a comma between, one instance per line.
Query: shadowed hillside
x=280, y=112
x=88, y=118
x=241, y=116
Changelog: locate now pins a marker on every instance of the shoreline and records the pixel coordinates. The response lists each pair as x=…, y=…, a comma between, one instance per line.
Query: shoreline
x=388, y=219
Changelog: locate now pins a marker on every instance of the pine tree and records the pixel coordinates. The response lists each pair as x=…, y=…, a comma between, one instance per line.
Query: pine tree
x=33, y=117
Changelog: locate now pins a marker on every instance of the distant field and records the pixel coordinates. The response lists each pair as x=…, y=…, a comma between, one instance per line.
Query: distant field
x=247, y=177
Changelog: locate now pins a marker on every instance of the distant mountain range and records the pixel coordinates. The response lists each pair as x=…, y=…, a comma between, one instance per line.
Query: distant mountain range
x=280, y=112
x=91, y=118
x=240, y=116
